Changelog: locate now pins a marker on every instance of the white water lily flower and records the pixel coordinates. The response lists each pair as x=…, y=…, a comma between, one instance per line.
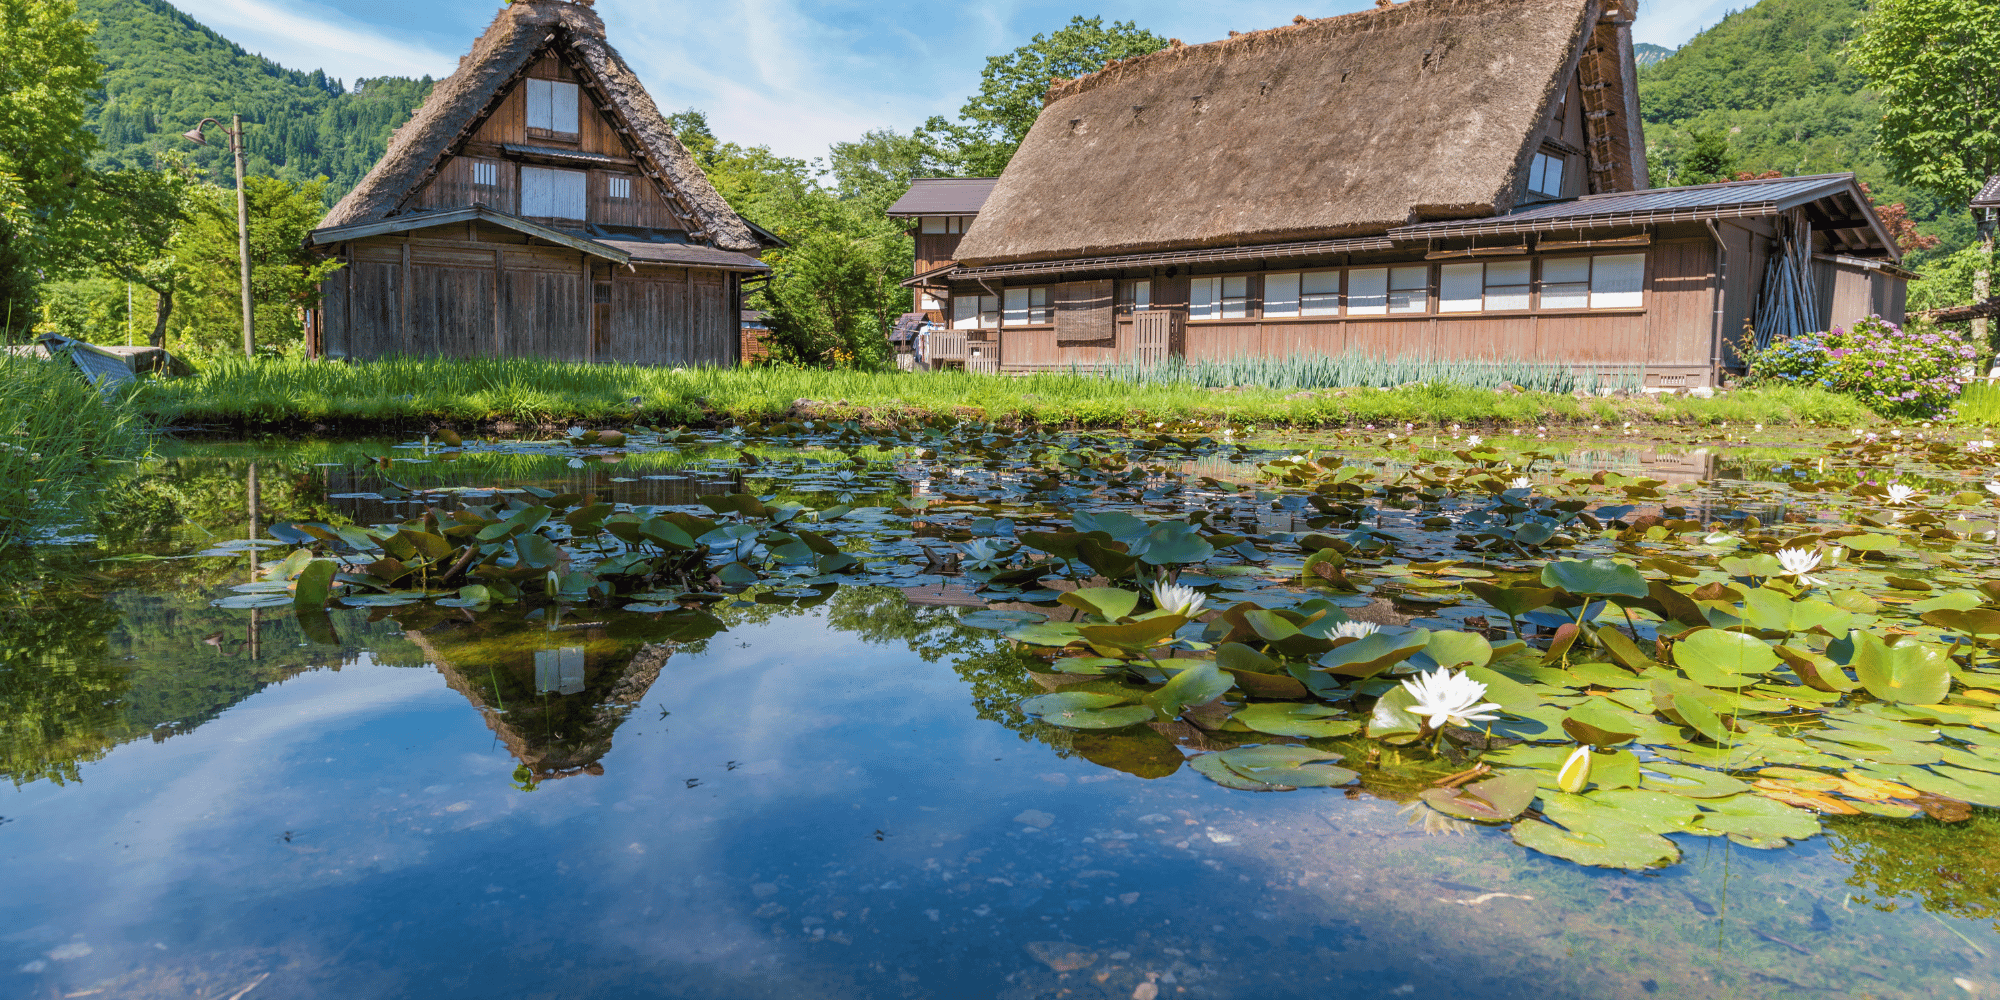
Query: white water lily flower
x=1474, y=441
x=1354, y=630
x=1521, y=483
x=1895, y=434
x=1447, y=698
x=1900, y=494
x=1798, y=563
x=1176, y=599
x=1993, y=488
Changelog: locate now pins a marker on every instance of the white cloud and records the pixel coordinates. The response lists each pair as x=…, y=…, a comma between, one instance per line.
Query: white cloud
x=307, y=36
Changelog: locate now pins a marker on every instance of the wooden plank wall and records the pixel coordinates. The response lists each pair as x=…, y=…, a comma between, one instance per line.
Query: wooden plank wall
x=1680, y=319
x=483, y=299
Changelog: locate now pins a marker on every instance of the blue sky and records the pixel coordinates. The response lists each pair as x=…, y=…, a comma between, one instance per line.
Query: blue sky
x=787, y=74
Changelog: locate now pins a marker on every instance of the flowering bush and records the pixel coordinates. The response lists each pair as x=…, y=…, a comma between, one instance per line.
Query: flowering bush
x=1916, y=371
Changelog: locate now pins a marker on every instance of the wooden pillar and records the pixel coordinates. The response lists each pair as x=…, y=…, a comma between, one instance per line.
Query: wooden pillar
x=499, y=316
x=347, y=307
x=589, y=297
x=403, y=301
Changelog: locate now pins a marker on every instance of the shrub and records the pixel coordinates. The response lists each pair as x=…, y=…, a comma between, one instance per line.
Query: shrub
x=1914, y=371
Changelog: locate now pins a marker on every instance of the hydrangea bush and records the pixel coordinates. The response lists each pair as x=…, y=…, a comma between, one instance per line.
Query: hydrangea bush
x=1912, y=372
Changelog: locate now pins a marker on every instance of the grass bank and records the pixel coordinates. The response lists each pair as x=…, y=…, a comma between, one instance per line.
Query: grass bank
x=55, y=433
x=417, y=394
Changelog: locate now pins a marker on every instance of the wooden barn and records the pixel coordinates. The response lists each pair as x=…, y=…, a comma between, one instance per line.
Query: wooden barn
x=537, y=205
x=1459, y=179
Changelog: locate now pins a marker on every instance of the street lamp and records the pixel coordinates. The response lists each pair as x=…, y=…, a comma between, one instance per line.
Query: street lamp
x=235, y=134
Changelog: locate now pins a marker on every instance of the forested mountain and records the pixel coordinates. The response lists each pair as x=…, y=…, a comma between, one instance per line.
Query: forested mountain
x=164, y=72
x=1772, y=84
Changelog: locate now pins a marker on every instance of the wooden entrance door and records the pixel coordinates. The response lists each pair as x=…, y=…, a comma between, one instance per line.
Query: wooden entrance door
x=1152, y=335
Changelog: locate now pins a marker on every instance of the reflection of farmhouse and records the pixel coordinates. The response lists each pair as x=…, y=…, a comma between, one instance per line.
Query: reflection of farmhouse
x=538, y=205
x=554, y=698
x=1443, y=178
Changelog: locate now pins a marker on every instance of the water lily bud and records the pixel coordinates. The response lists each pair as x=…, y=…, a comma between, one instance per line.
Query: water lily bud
x=1575, y=774
x=554, y=584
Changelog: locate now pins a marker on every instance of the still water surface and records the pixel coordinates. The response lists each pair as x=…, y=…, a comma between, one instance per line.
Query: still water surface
x=835, y=801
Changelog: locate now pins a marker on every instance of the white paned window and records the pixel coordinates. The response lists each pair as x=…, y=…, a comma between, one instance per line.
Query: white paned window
x=1618, y=282
x=1461, y=288
x=944, y=225
x=1028, y=307
x=1368, y=291
x=486, y=174
x=552, y=106
x=619, y=187
x=1545, y=176
x=1409, y=289
x=554, y=194
x=1203, y=294
x=974, y=312
x=1142, y=295
x=1281, y=294
x=1235, y=298
x=1319, y=293
x=933, y=225
x=931, y=303
x=1507, y=285
x=1566, y=283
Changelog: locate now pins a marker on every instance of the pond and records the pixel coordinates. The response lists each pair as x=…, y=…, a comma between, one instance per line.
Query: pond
x=816, y=753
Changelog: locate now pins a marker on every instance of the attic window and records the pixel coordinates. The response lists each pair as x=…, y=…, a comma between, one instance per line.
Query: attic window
x=485, y=174
x=619, y=187
x=944, y=225
x=1545, y=175
x=552, y=108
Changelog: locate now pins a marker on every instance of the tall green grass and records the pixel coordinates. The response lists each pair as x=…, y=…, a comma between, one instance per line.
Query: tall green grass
x=55, y=432
x=1979, y=405
x=1359, y=369
x=408, y=393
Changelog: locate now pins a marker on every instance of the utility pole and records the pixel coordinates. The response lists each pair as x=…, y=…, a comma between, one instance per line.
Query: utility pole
x=235, y=134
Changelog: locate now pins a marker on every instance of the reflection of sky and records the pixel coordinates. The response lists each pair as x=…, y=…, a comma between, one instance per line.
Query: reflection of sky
x=821, y=816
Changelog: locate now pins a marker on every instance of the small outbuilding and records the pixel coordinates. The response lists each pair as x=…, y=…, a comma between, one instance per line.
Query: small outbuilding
x=537, y=205
x=1455, y=179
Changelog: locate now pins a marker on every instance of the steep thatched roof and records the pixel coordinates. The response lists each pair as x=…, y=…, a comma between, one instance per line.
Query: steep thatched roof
x=1342, y=126
x=521, y=31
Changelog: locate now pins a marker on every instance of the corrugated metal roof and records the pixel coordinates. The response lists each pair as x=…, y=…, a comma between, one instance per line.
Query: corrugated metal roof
x=1989, y=197
x=944, y=196
x=568, y=155
x=1728, y=199
x=682, y=253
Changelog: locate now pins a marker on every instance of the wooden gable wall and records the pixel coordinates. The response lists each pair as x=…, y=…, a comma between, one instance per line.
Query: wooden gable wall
x=597, y=133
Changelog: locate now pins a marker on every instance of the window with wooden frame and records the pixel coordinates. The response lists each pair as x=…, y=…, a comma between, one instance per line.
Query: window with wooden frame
x=1611, y=281
x=1220, y=297
x=618, y=187
x=552, y=109
x=1028, y=307
x=1311, y=293
x=1545, y=174
x=485, y=174
x=945, y=225
x=1498, y=286
x=1135, y=296
x=975, y=312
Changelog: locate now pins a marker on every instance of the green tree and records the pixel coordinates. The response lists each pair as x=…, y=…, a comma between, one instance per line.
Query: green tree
x=1936, y=64
x=286, y=276
x=1708, y=159
x=125, y=226
x=993, y=122
x=874, y=170
x=47, y=71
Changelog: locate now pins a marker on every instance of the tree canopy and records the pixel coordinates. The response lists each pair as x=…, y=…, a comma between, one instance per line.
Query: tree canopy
x=1936, y=64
